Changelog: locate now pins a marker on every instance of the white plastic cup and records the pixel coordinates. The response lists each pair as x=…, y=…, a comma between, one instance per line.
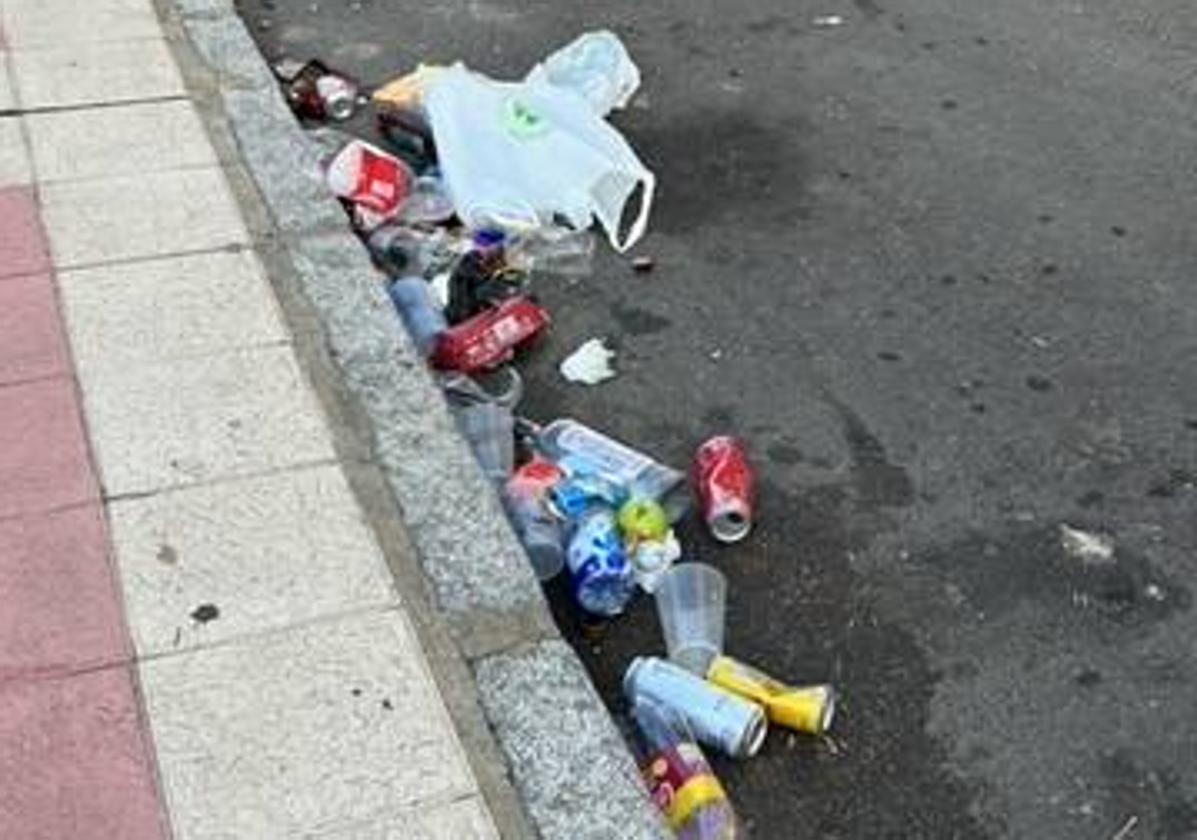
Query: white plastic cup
x=692, y=605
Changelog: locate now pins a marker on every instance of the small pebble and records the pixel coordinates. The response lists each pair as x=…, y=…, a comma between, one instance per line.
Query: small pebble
x=643, y=264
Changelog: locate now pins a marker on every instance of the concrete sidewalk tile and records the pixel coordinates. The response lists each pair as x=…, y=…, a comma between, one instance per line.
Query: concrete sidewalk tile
x=123, y=140
x=48, y=23
x=465, y=819
x=169, y=308
x=93, y=74
x=297, y=733
x=31, y=345
x=74, y=761
x=171, y=424
x=43, y=457
x=8, y=100
x=61, y=605
x=267, y=552
x=22, y=239
x=140, y=216
x=14, y=160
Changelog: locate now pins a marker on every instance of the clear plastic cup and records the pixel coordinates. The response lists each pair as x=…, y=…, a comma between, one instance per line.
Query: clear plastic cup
x=691, y=605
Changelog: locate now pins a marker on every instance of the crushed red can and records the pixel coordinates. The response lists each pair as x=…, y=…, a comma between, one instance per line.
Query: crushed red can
x=490, y=337
x=726, y=487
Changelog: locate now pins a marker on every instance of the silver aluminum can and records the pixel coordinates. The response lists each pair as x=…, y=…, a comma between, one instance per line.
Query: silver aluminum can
x=719, y=718
x=338, y=96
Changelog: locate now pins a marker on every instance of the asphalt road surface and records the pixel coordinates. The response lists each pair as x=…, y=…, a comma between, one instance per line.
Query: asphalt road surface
x=937, y=266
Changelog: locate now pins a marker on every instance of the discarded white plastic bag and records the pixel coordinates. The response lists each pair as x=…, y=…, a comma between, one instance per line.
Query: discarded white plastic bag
x=596, y=66
x=590, y=364
x=517, y=155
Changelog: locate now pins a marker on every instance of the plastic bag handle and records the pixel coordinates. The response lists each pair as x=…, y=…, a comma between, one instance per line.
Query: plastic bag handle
x=637, y=229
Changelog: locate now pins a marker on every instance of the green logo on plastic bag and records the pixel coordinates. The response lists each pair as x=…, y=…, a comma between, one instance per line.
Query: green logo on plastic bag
x=522, y=122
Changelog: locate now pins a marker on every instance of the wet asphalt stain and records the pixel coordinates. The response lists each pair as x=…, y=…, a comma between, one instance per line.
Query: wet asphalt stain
x=784, y=453
x=1152, y=795
x=1176, y=482
x=796, y=608
x=636, y=321
x=714, y=163
x=996, y=573
x=878, y=482
x=869, y=8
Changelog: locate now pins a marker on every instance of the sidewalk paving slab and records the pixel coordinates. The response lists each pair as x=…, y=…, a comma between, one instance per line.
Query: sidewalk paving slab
x=144, y=215
x=464, y=819
x=14, y=160
x=247, y=732
x=169, y=308
x=122, y=140
x=7, y=91
x=95, y=74
x=74, y=761
x=43, y=453
x=268, y=552
x=61, y=609
x=160, y=425
x=51, y=23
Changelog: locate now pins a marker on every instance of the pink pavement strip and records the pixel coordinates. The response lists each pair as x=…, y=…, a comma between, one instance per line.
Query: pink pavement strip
x=43, y=454
x=60, y=604
x=31, y=343
x=23, y=248
x=74, y=760
x=75, y=754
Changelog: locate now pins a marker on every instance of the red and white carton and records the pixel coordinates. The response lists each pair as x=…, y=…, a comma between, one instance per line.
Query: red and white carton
x=376, y=183
x=489, y=338
x=726, y=488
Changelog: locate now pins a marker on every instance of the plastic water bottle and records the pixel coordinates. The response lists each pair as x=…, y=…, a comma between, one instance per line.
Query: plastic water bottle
x=617, y=462
x=538, y=530
x=489, y=428
x=603, y=583
x=423, y=318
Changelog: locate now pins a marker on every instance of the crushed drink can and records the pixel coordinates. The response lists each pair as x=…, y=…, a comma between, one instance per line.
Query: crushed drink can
x=725, y=485
x=489, y=338
x=338, y=96
x=718, y=717
x=317, y=92
x=807, y=709
x=680, y=781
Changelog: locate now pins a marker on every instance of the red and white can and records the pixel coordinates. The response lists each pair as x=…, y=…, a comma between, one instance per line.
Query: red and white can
x=726, y=487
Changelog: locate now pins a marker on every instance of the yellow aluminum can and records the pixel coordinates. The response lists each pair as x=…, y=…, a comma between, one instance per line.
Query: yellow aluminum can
x=802, y=708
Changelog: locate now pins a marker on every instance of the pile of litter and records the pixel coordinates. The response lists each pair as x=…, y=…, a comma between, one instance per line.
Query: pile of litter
x=476, y=187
